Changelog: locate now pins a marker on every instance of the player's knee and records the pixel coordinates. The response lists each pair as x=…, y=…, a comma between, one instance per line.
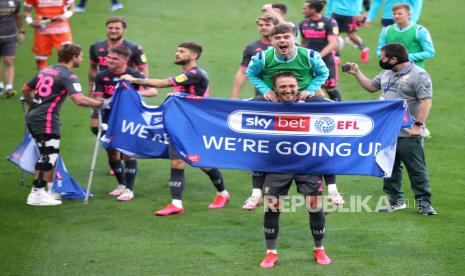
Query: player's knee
x=9, y=61
x=314, y=203
x=177, y=164
x=44, y=165
x=113, y=155
x=49, y=150
x=272, y=203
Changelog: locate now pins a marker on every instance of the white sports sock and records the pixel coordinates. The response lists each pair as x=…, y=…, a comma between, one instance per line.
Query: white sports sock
x=257, y=192
x=1, y=85
x=177, y=203
x=314, y=248
x=223, y=193
x=332, y=188
x=9, y=87
x=272, y=251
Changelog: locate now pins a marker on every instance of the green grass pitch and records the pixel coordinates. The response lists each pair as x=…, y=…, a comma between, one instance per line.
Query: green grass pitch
x=108, y=237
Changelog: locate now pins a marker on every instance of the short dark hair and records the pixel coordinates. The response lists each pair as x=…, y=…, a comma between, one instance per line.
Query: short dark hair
x=396, y=50
x=116, y=19
x=68, y=51
x=280, y=6
x=121, y=50
x=194, y=47
x=282, y=29
x=318, y=5
x=268, y=18
x=283, y=74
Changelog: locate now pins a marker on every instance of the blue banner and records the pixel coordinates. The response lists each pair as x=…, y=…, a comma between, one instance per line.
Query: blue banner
x=343, y=138
x=135, y=128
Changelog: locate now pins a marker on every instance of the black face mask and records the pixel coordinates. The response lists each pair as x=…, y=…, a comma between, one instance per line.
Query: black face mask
x=386, y=65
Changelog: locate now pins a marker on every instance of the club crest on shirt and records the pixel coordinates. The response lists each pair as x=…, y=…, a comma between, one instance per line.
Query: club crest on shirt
x=181, y=78
x=143, y=58
x=77, y=87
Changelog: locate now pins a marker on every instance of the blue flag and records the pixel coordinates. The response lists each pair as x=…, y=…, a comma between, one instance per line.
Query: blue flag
x=25, y=156
x=343, y=138
x=135, y=128
x=64, y=184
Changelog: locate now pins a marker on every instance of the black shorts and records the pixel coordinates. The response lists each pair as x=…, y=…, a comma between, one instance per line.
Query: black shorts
x=347, y=24
x=8, y=47
x=331, y=81
x=172, y=153
x=278, y=184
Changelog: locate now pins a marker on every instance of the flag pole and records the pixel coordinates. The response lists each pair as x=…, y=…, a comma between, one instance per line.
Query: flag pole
x=94, y=157
x=22, y=100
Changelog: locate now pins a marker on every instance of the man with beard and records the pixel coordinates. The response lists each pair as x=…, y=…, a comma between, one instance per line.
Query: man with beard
x=277, y=185
x=45, y=94
x=192, y=80
x=305, y=64
x=105, y=84
x=265, y=24
x=402, y=79
x=98, y=52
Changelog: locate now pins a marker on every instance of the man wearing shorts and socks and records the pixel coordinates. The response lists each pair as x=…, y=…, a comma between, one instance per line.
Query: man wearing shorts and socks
x=306, y=64
x=52, y=28
x=277, y=185
x=45, y=95
x=10, y=22
x=104, y=88
x=192, y=80
x=115, y=28
x=345, y=13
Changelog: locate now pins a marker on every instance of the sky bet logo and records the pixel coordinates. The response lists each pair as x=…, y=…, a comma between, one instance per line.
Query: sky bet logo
x=305, y=124
x=290, y=123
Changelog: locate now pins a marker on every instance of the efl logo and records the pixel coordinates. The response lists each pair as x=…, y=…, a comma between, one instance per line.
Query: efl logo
x=194, y=158
x=276, y=122
x=300, y=124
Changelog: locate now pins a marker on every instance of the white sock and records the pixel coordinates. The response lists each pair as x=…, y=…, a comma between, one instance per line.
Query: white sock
x=272, y=251
x=1, y=85
x=223, y=193
x=49, y=186
x=257, y=192
x=177, y=203
x=9, y=87
x=332, y=188
x=314, y=248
